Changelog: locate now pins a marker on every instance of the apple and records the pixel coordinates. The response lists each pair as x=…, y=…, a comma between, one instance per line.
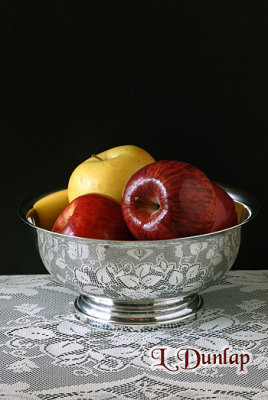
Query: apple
x=226, y=215
x=107, y=172
x=169, y=199
x=93, y=216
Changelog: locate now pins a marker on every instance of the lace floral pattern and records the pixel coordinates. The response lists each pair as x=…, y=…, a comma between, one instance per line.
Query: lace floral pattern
x=46, y=353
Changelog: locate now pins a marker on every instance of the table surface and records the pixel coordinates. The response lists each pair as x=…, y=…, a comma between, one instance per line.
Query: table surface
x=46, y=353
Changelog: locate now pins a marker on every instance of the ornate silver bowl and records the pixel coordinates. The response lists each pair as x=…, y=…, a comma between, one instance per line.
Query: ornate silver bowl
x=139, y=284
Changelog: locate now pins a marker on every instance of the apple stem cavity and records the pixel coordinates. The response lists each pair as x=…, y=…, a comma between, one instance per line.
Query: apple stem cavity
x=152, y=205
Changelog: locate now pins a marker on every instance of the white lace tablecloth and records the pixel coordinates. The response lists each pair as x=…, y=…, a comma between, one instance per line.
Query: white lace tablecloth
x=46, y=353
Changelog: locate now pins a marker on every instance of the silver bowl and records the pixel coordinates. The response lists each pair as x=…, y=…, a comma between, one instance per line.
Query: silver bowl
x=140, y=284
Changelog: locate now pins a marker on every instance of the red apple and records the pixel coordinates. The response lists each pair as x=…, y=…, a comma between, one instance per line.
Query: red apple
x=168, y=199
x=93, y=216
x=226, y=215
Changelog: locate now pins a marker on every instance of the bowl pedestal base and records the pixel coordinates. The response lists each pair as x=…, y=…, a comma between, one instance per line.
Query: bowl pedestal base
x=138, y=314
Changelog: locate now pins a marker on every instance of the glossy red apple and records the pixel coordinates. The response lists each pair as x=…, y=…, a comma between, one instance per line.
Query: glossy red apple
x=168, y=199
x=226, y=215
x=93, y=216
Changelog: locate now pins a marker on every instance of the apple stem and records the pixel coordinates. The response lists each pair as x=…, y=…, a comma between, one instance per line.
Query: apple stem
x=150, y=204
x=97, y=157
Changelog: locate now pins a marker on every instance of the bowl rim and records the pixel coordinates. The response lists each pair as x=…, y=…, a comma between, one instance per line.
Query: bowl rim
x=239, y=195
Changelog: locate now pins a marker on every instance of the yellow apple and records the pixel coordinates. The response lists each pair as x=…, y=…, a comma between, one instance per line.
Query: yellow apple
x=107, y=172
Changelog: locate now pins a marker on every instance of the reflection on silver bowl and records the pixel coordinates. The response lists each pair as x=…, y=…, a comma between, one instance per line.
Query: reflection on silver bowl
x=140, y=284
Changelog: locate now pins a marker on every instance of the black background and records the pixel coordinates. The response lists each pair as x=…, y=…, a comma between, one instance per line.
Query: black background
x=184, y=80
